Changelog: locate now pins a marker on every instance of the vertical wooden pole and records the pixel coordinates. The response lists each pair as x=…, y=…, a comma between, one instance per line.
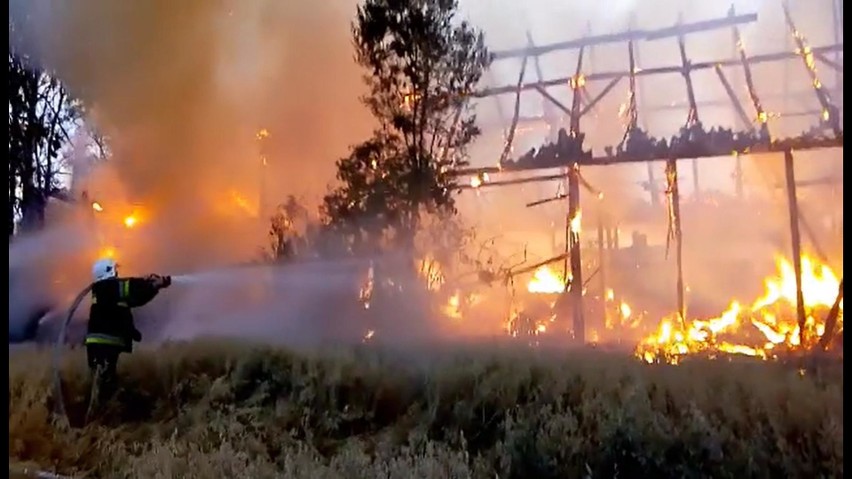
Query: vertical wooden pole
x=796, y=238
x=671, y=174
x=576, y=263
x=602, y=266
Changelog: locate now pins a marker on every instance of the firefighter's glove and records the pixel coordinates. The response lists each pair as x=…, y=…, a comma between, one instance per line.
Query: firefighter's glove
x=137, y=335
x=160, y=282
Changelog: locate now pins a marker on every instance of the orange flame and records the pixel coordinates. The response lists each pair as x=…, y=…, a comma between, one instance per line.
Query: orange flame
x=771, y=317
x=545, y=281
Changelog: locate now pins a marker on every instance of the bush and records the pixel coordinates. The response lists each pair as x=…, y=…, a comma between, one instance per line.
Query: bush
x=229, y=409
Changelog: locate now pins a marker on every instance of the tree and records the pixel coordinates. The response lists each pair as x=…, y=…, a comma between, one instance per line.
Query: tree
x=40, y=112
x=422, y=65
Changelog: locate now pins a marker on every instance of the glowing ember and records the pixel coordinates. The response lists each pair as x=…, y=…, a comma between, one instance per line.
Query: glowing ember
x=767, y=326
x=107, y=252
x=545, y=281
x=97, y=206
x=130, y=221
x=479, y=180
x=263, y=133
x=369, y=335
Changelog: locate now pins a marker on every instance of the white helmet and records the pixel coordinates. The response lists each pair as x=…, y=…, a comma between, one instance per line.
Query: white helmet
x=104, y=269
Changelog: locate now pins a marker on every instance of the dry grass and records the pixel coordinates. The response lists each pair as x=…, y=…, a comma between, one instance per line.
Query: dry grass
x=225, y=409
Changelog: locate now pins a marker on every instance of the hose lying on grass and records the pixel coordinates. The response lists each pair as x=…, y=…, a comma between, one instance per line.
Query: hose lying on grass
x=57, y=355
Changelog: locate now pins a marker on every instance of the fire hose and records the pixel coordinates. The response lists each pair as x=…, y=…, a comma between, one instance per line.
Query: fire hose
x=57, y=353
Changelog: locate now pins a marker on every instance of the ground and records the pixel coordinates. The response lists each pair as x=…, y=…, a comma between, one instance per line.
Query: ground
x=215, y=408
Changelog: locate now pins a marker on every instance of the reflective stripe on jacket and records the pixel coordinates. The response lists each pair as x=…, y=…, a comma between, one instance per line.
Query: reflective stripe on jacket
x=107, y=339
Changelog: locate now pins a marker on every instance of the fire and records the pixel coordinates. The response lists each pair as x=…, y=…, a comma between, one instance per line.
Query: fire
x=430, y=270
x=625, y=315
x=366, y=292
x=244, y=204
x=479, y=180
x=457, y=303
x=768, y=325
x=576, y=222
x=545, y=281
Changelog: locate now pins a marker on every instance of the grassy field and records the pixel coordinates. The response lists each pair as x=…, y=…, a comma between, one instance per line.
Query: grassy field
x=211, y=409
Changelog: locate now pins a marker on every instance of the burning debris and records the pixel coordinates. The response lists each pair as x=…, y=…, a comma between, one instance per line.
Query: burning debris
x=764, y=330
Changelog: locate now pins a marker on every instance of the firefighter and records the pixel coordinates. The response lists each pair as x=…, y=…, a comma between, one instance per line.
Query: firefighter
x=111, y=330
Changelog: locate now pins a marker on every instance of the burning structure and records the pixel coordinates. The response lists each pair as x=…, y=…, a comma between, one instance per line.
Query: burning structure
x=607, y=295
x=802, y=304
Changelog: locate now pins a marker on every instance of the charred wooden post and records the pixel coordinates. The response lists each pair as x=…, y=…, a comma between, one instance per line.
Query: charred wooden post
x=796, y=238
x=602, y=266
x=831, y=319
x=674, y=198
x=510, y=138
x=633, y=57
x=576, y=285
x=738, y=176
x=692, y=117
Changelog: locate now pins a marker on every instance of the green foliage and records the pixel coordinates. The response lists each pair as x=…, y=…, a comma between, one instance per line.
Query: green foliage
x=422, y=65
x=228, y=409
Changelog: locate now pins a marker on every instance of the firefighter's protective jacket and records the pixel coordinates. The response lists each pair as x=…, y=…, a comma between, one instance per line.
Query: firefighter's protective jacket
x=110, y=317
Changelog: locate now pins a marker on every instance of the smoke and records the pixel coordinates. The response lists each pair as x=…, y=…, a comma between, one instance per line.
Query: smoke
x=182, y=88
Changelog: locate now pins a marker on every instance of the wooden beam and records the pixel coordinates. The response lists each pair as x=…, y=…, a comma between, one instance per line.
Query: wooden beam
x=636, y=35
x=793, y=205
x=600, y=95
x=777, y=146
x=831, y=320
x=533, y=267
x=547, y=200
x=576, y=291
x=769, y=57
x=553, y=100
x=507, y=148
x=837, y=67
x=674, y=191
x=824, y=100
x=602, y=265
x=738, y=107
